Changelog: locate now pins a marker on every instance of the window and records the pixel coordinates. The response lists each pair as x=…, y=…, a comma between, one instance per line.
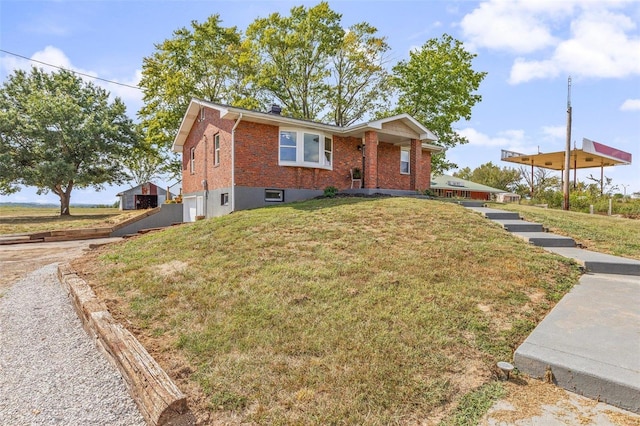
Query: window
x=216, y=149
x=192, y=160
x=274, y=195
x=224, y=199
x=288, y=146
x=304, y=148
x=404, y=160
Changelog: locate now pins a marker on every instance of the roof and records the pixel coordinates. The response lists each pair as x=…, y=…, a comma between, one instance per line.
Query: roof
x=592, y=154
x=456, y=184
x=398, y=129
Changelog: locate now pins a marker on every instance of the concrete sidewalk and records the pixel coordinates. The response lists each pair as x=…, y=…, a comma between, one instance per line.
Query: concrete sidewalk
x=591, y=338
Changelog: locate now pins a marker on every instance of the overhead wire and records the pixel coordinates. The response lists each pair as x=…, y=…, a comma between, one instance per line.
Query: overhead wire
x=73, y=71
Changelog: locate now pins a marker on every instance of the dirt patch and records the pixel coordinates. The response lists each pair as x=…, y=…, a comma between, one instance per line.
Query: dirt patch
x=18, y=260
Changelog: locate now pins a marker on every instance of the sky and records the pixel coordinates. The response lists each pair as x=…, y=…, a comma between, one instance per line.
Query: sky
x=528, y=48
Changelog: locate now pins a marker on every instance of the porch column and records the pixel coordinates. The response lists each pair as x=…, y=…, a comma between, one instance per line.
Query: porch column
x=371, y=159
x=418, y=178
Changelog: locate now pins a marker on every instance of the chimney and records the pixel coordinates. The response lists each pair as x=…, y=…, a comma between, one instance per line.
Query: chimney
x=275, y=109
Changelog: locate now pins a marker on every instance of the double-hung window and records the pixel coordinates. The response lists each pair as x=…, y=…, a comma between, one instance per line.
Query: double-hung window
x=305, y=148
x=216, y=149
x=405, y=156
x=192, y=160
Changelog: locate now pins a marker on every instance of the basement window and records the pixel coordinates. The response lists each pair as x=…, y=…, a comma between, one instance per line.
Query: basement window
x=224, y=199
x=274, y=195
x=304, y=148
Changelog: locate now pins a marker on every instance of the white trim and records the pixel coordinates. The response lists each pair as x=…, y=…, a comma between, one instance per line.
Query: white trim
x=408, y=151
x=299, y=147
x=233, y=162
x=232, y=113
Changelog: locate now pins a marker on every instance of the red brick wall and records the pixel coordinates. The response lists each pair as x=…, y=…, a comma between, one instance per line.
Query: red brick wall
x=201, y=137
x=257, y=160
x=257, y=147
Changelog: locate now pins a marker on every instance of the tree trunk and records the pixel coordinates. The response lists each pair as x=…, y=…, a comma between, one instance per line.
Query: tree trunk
x=65, y=198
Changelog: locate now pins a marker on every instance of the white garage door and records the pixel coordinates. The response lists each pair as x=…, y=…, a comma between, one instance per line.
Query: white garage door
x=190, y=210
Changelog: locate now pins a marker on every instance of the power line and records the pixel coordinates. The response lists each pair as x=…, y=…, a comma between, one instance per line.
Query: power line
x=75, y=72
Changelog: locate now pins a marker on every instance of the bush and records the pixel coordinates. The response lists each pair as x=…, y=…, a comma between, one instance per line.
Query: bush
x=330, y=191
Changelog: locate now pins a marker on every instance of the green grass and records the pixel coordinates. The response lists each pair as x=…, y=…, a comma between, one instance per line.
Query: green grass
x=607, y=234
x=19, y=220
x=335, y=311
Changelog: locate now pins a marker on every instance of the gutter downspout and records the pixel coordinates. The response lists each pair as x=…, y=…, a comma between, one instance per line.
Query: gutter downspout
x=233, y=163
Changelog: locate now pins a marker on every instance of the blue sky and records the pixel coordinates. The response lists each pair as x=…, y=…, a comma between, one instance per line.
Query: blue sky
x=529, y=49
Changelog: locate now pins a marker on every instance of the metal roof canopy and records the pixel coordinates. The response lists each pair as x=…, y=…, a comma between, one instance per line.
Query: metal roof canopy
x=592, y=154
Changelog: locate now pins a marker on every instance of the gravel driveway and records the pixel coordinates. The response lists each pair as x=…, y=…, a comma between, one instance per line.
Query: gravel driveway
x=51, y=373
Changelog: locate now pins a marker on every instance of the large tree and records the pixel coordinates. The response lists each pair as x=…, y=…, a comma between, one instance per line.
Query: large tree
x=360, y=85
x=295, y=54
x=491, y=175
x=207, y=61
x=58, y=132
x=437, y=86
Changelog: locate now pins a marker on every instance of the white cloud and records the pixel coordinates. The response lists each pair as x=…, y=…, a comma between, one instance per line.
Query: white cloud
x=52, y=55
x=554, y=132
x=515, y=26
x=630, y=105
x=599, y=47
x=572, y=37
x=511, y=140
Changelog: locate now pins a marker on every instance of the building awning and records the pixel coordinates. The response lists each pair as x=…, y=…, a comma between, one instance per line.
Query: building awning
x=592, y=154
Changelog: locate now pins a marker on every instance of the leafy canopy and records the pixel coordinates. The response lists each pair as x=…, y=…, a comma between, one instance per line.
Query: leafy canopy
x=437, y=87
x=58, y=132
x=314, y=68
x=491, y=175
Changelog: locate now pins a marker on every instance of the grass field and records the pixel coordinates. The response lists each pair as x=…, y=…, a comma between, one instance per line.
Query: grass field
x=18, y=220
x=336, y=311
x=605, y=234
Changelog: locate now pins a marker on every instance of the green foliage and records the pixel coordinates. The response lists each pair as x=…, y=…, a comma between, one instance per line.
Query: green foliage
x=294, y=53
x=491, y=175
x=330, y=191
x=58, y=132
x=474, y=405
x=207, y=61
x=361, y=84
x=437, y=86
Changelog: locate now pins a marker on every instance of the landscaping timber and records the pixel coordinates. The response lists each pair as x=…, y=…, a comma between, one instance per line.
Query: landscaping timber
x=160, y=401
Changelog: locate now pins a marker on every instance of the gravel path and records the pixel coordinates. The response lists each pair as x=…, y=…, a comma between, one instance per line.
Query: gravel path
x=51, y=373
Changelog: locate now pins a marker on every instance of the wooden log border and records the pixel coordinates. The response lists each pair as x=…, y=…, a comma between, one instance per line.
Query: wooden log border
x=158, y=398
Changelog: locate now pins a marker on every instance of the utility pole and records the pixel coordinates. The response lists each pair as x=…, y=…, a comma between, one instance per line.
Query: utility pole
x=567, y=153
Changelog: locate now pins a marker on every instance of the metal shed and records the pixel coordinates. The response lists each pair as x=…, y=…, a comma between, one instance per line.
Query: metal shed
x=144, y=196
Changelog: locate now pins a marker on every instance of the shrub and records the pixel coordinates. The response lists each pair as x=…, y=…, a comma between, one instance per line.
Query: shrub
x=330, y=191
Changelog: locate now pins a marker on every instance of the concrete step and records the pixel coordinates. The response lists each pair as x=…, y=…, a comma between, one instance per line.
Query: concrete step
x=600, y=263
x=520, y=225
x=546, y=239
x=472, y=203
x=590, y=341
x=495, y=214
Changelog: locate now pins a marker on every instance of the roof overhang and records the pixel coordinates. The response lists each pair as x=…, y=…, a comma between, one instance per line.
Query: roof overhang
x=592, y=154
x=398, y=130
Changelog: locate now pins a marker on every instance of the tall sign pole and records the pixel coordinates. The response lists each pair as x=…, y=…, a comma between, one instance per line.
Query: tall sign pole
x=567, y=153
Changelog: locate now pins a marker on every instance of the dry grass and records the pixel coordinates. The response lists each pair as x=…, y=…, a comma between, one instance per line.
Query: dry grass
x=19, y=220
x=338, y=311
